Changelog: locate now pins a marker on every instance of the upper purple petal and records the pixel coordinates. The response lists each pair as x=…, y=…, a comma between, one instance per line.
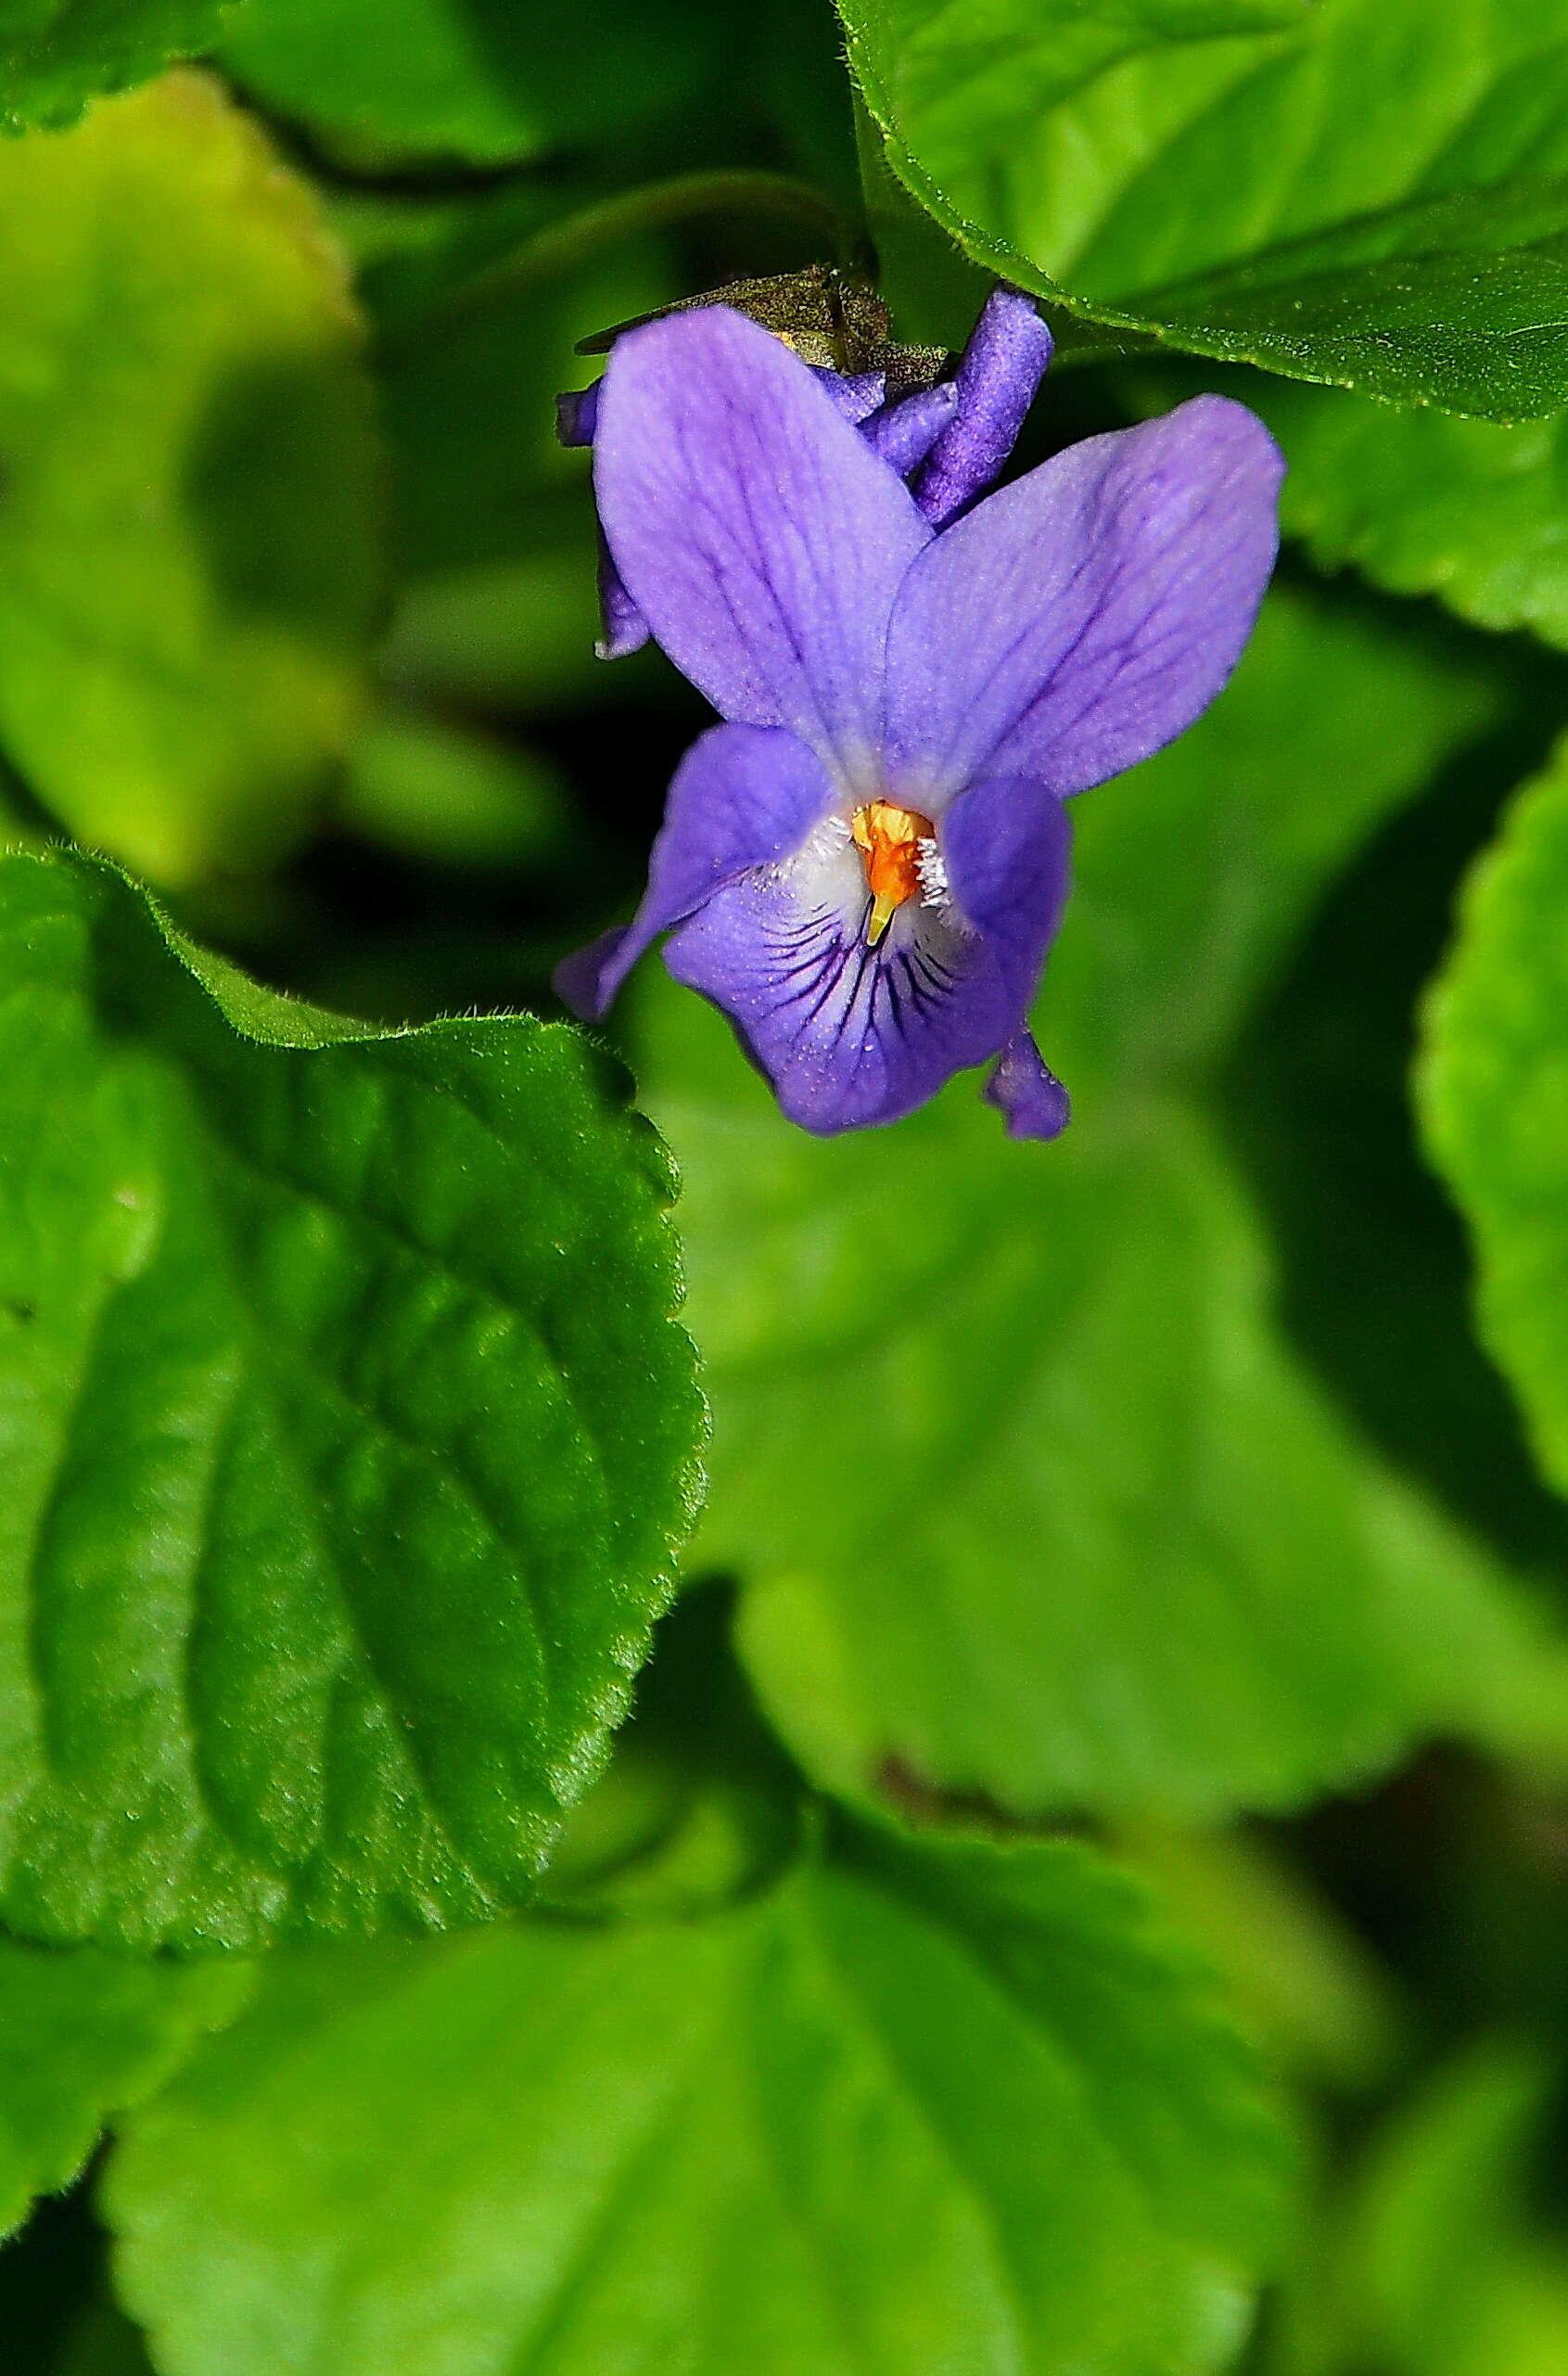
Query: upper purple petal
x=1076, y=621
x=998, y=374
x=753, y=529
x=742, y=796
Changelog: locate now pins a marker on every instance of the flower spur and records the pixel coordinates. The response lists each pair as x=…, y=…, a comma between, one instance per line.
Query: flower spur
x=865, y=864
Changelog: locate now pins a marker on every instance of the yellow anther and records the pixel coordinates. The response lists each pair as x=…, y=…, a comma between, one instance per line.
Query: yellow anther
x=889, y=838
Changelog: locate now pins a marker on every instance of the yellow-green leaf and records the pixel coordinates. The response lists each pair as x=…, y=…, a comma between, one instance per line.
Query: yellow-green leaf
x=189, y=537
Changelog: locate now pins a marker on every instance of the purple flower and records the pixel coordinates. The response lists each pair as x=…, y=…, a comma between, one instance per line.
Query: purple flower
x=865, y=865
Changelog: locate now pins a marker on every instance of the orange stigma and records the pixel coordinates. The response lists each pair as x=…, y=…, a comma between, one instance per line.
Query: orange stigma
x=889, y=838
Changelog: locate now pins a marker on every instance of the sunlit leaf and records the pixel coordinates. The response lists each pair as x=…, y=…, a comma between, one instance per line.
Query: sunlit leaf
x=1368, y=192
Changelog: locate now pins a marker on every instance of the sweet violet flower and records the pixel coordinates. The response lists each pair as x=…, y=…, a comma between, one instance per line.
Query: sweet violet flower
x=864, y=866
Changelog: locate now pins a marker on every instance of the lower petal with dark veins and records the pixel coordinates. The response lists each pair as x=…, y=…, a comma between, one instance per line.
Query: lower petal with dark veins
x=849, y=1032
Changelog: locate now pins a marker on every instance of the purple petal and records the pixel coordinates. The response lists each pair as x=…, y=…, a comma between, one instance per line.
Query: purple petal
x=904, y=431
x=742, y=796
x=1078, y=619
x=622, y=627
x=849, y=1034
x=856, y=394
x=1027, y=1093
x=998, y=374
x=1005, y=845
x=757, y=532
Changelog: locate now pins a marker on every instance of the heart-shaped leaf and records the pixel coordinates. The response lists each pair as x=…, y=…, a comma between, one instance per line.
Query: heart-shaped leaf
x=346, y=1432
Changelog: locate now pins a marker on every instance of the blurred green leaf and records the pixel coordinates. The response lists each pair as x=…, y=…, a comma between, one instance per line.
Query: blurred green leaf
x=925, y=2106
x=483, y=80
x=518, y=635
x=433, y=789
x=515, y=635
x=83, y=2036
x=1029, y=1490
x=1494, y=1094
x=55, y=54
x=1369, y=192
x=1449, y=2275
x=1289, y=1957
x=346, y=1434
x=481, y=304
x=189, y=535
x=470, y=388
x=798, y=62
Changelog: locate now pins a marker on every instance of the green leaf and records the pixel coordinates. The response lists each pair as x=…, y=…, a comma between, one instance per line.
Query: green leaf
x=519, y=634
x=516, y=634
x=83, y=2036
x=1029, y=1488
x=482, y=80
x=1368, y=192
x=55, y=54
x=347, y=1437
x=1494, y=1094
x=925, y=2106
x=189, y=539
